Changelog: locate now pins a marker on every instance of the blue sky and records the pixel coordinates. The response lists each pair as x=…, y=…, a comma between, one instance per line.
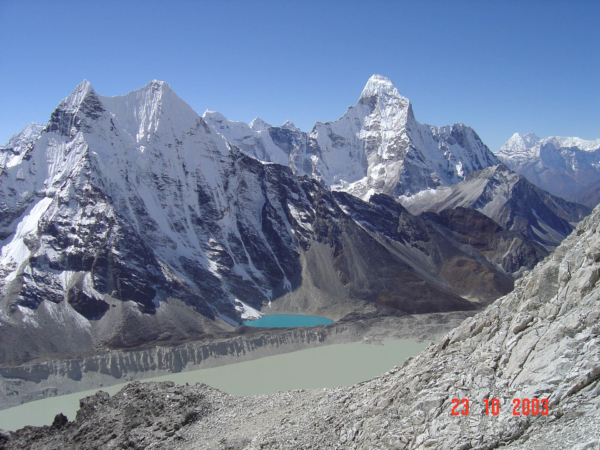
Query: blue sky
x=500, y=67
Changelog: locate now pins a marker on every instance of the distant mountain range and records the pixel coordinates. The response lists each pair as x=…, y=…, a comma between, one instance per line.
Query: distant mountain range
x=377, y=146
x=510, y=200
x=128, y=221
x=565, y=166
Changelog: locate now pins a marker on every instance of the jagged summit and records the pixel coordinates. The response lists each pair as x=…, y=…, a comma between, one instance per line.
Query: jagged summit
x=153, y=109
x=77, y=96
x=563, y=166
x=214, y=115
x=378, y=86
x=124, y=203
x=13, y=151
x=531, y=139
x=583, y=144
x=159, y=84
x=377, y=146
x=253, y=139
x=519, y=143
x=143, y=114
x=510, y=200
x=531, y=136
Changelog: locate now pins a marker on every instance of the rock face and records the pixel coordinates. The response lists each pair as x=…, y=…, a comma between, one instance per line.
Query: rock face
x=541, y=341
x=510, y=200
x=463, y=267
x=168, y=409
x=377, y=146
x=562, y=166
x=128, y=221
x=11, y=154
x=508, y=249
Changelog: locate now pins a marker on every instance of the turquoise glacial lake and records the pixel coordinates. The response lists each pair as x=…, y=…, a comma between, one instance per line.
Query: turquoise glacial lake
x=287, y=320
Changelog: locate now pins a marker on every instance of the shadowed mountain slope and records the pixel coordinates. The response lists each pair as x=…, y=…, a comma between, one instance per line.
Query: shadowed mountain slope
x=510, y=200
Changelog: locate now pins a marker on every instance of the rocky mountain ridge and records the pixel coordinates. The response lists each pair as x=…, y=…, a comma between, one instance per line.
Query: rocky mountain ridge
x=510, y=200
x=377, y=146
x=540, y=342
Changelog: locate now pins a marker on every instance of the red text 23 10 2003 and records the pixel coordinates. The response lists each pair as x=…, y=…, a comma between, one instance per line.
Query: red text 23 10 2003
x=521, y=406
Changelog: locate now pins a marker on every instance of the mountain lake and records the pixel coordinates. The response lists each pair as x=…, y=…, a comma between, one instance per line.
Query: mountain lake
x=329, y=366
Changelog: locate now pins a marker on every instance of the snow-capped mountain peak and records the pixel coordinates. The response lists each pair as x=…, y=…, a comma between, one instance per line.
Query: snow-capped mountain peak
x=13, y=151
x=519, y=148
x=289, y=125
x=379, y=86
x=385, y=102
x=78, y=94
x=259, y=125
x=31, y=131
x=385, y=150
x=531, y=138
x=581, y=144
x=142, y=111
x=521, y=142
x=213, y=115
x=561, y=165
x=135, y=204
x=377, y=146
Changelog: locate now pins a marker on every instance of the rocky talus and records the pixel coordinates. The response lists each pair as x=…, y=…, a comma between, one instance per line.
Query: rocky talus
x=541, y=341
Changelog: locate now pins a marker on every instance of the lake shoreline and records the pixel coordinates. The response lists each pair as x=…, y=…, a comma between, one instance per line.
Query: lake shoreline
x=324, y=367
x=30, y=382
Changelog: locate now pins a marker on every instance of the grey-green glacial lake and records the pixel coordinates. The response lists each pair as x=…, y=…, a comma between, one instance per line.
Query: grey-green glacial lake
x=287, y=320
x=322, y=367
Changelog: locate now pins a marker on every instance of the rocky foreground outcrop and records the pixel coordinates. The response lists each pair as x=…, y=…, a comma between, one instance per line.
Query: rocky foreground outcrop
x=542, y=341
